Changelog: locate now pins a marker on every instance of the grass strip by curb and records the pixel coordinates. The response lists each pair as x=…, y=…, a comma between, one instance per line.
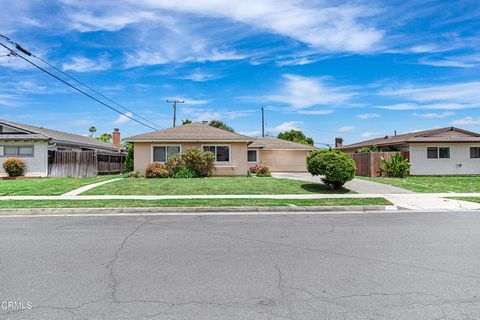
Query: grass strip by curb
x=205, y=203
x=470, y=199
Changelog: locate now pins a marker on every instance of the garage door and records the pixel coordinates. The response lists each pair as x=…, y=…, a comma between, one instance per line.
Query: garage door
x=284, y=160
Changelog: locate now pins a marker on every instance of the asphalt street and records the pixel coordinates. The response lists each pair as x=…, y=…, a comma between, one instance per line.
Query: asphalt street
x=326, y=266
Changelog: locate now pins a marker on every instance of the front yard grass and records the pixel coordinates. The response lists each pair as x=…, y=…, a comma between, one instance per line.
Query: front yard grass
x=17, y=204
x=433, y=184
x=213, y=185
x=46, y=186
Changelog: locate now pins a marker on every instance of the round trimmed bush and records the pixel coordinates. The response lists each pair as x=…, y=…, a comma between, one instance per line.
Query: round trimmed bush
x=156, y=170
x=335, y=166
x=14, y=167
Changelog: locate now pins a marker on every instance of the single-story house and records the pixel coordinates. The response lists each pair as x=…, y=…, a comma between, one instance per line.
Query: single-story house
x=279, y=155
x=444, y=151
x=31, y=144
x=234, y=153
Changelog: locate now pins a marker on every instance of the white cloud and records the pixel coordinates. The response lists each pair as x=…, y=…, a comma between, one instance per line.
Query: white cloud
x=83, y=64
x=123, y=118
x=315, y=112
x=323, y=26
x=286, y=126
x=346, y=129
x=369, y=134
x=302, y=92
x=365, y=116
x=459, y=61
x=199, y=76
x=433, y=106
x=467, y=121
x=434, y=115
x=463, y=93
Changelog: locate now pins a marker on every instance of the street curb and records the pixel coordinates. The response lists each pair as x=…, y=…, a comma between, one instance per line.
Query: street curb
x=192, y=210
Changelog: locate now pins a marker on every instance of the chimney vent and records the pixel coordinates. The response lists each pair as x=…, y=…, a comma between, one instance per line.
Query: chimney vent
x=338, y=143
x=116, y=139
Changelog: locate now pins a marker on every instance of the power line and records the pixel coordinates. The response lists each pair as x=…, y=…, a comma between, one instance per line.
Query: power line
x=174, y=105
x=74, y=87
x=25, y=51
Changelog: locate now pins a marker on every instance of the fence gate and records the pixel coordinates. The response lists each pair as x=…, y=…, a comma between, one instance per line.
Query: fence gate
x=368, y=163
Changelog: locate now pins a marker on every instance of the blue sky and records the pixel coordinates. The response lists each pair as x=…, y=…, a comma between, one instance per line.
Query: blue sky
x=355, y=69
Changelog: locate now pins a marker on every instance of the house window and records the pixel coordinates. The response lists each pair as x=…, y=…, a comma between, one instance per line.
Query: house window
x=25, y=151
x=432, y=152
x=222, y=153
x=475, y=152
x=252, y=155
x=444, y=153
x=163, y=153
x=435, y=153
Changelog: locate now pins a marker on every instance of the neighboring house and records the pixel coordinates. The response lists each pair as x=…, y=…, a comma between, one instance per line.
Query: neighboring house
x=234, y=153
x=31, y=144
x=279, y=155
x=445, y=151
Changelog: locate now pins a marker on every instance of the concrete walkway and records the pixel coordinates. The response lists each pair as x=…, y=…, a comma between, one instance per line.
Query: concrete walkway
x=415, y=201
x=80, y=190
x=356, y=185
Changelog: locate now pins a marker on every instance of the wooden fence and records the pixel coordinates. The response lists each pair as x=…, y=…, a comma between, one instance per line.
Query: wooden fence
x=368, y=163
x=84, y=163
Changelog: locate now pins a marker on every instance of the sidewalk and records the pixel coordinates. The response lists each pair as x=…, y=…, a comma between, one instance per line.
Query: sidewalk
x=414, y=201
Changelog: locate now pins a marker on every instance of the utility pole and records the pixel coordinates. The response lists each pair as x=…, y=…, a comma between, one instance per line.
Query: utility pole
x=263, y=123
x=174, y=105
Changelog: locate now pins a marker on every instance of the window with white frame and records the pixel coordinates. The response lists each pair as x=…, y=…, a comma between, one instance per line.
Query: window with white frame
x=252, y=155
x=221, y=152
x=163, y=153
x=25, y=151
x=438, y=152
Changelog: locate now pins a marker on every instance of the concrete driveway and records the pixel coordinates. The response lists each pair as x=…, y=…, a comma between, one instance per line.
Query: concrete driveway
x=338, y=266
x=357, y=185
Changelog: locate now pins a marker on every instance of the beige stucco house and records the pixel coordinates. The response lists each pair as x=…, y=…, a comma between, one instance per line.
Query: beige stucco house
x=444, y=151
x=234, y=153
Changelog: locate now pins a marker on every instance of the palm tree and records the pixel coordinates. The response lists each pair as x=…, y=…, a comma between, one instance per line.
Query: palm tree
x=92, y=131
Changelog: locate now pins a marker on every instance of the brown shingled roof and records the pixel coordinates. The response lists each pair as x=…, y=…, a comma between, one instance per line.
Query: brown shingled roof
x=448, y=134
x=40, y=133
x=271, y=143
x=190, y=132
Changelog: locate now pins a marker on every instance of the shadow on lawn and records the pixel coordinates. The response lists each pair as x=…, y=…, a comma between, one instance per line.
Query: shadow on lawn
x=321, y=188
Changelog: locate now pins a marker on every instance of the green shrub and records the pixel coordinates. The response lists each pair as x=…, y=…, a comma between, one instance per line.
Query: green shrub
x=156, y=170
x=200, y=161
x=14, y=167
x=335, y=166
x=174, y=163
x=253, y=169
x=263, y=171
x=396, y=167
x=134, y=174
x=185, y=172
x=129, y=158
x=367, y=149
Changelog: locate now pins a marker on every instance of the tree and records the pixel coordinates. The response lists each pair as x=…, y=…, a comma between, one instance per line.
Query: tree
x=296, y=136
x=105, y=137
x=186, y=121
x=335, y=167
x=129, y=158
x=221, y=125
x=92, y=131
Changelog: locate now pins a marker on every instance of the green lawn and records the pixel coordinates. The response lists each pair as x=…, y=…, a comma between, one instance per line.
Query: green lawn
x=433, y=183
x=46, y=186
x=12, y=204
x=214, y=185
